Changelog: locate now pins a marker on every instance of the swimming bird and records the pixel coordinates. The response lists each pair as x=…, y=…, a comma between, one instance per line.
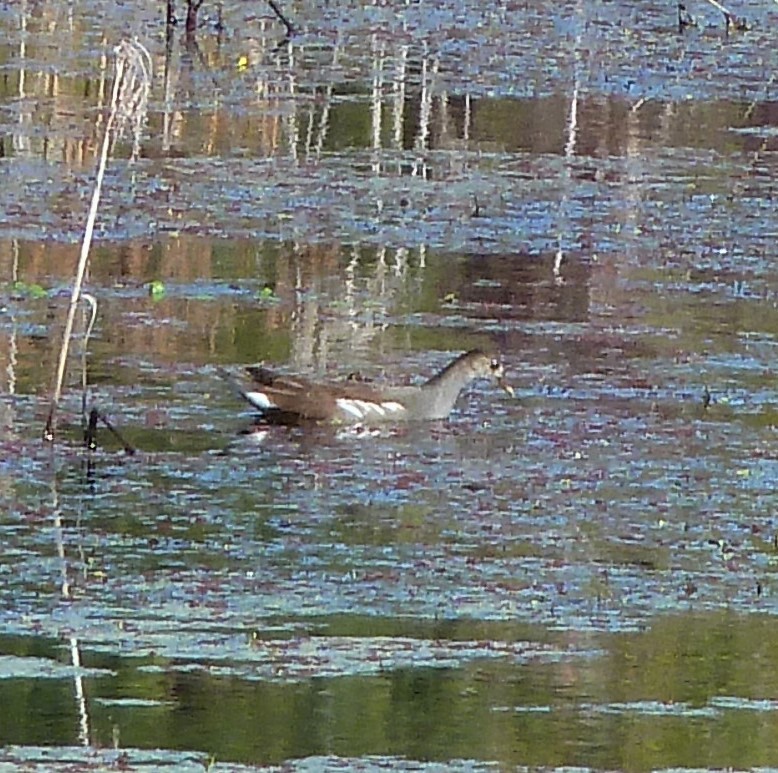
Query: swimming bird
x=283, y=399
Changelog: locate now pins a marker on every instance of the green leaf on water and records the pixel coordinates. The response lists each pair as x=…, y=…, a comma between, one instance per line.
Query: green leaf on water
x=267, y=293
x=157, y=290
x=28, y=290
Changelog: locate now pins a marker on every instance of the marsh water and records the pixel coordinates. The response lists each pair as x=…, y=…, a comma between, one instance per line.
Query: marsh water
x=582, y=575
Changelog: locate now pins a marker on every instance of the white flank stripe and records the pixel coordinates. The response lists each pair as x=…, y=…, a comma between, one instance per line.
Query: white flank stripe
x=364, y=406
x=260, y=400
x=392, y=406
x=350, y=406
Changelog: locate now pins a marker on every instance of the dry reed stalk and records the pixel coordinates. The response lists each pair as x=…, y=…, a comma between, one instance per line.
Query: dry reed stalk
x=129, y=106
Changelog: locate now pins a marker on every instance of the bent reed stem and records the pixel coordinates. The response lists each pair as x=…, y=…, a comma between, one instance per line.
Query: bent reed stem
x=129, y=101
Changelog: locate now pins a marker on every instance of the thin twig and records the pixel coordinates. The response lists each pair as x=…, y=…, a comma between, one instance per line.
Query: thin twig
x=92, y=301
x=193, y=7
x=290, y=30
x=128, y=449
x=90, y=434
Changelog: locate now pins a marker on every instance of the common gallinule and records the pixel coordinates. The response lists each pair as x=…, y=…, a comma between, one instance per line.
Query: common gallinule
x=292, y=400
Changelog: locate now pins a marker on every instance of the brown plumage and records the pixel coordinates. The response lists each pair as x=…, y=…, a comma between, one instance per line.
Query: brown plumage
x=291, y=399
